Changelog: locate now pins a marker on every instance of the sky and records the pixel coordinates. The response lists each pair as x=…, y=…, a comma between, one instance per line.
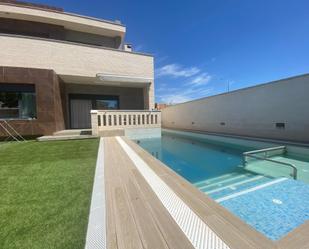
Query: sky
x=207, y=47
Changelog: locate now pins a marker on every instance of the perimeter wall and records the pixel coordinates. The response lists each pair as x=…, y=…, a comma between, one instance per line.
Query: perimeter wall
x=276, y=110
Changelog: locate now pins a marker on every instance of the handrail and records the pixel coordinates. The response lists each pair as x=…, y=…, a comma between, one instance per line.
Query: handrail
x=251, y=154
x=278, y=162
x=265, y=150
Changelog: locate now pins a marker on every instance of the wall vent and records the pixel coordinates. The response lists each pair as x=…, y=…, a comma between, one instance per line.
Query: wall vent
x=280, y=125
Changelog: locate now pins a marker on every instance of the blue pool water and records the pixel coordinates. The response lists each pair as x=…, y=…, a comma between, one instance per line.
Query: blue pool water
x=271, y=203
x=274, y=210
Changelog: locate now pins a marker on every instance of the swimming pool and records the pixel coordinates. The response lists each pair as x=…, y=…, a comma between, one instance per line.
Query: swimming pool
x=263, y=195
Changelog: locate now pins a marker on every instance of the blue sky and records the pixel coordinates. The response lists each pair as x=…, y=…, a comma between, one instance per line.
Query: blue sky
x=201, y=45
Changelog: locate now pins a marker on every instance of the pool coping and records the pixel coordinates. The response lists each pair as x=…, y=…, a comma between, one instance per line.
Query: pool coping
x=96, y=230
x=231, y=225
x=235, y=136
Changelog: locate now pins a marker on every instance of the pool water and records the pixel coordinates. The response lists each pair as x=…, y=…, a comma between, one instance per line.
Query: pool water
x=263, y=196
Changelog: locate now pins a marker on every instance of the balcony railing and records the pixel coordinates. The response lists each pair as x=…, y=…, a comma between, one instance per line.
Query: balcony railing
x=102, y=120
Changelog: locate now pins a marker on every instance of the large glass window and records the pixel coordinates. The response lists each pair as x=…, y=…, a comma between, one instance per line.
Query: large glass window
x=17, y=101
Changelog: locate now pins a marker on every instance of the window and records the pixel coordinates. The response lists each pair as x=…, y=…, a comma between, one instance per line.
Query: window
x=106, y=104
x=17, y=101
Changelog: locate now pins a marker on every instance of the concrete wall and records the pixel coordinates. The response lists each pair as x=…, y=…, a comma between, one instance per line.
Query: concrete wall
x=251, y=111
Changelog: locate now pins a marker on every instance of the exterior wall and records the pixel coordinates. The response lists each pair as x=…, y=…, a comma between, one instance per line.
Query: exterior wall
x=22, y=27
x=98, y=40
x=68, y=20
x=129, y=98
x=252, y=111
x=50, y=117
x=73, y=59
x=81, y=61
x=151, y=96
x=57, y=32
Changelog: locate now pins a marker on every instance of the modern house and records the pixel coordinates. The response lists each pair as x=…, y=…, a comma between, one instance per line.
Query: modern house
x=55, y=67
x=229, y=171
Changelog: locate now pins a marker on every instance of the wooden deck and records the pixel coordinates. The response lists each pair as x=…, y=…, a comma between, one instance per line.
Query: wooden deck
x=136, y=218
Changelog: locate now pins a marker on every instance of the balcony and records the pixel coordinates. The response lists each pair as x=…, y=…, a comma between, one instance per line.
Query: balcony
x=20, y=11
x=73, y=61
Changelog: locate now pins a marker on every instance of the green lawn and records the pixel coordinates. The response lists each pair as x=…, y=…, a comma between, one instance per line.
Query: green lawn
x=45, y=193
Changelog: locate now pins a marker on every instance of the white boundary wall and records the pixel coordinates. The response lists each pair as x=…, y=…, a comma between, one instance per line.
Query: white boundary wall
x=252, y=111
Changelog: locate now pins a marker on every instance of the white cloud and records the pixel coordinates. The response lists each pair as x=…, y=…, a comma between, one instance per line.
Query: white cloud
x=176, y=70
x=200, y=79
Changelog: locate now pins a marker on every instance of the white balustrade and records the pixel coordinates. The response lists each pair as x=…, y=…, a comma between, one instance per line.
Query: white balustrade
x=117, y=119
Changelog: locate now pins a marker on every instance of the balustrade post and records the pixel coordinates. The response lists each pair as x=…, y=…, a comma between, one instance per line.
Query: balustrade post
x=95, y=122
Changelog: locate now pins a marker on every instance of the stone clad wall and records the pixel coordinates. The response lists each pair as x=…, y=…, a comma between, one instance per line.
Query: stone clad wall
x=50, y=116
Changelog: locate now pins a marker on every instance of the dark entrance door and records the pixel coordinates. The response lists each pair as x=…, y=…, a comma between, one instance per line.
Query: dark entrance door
x=82, y=104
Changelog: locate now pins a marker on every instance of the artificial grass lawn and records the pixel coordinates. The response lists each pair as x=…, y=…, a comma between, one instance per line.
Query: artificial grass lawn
x=45, y=193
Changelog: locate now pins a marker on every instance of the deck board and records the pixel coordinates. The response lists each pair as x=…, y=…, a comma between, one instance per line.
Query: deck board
x=150, y=235
x=120, y=216
x=136, y=206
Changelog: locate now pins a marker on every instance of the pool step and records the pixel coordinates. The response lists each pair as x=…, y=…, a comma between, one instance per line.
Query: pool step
x=215, y=179
x=251, y=189
x=234, y=185
x=240, y=186
x=225, y=182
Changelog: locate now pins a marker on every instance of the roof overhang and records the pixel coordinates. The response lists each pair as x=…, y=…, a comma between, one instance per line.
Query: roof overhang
x=68, y=20
x=103, y=77
x=108, y=80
